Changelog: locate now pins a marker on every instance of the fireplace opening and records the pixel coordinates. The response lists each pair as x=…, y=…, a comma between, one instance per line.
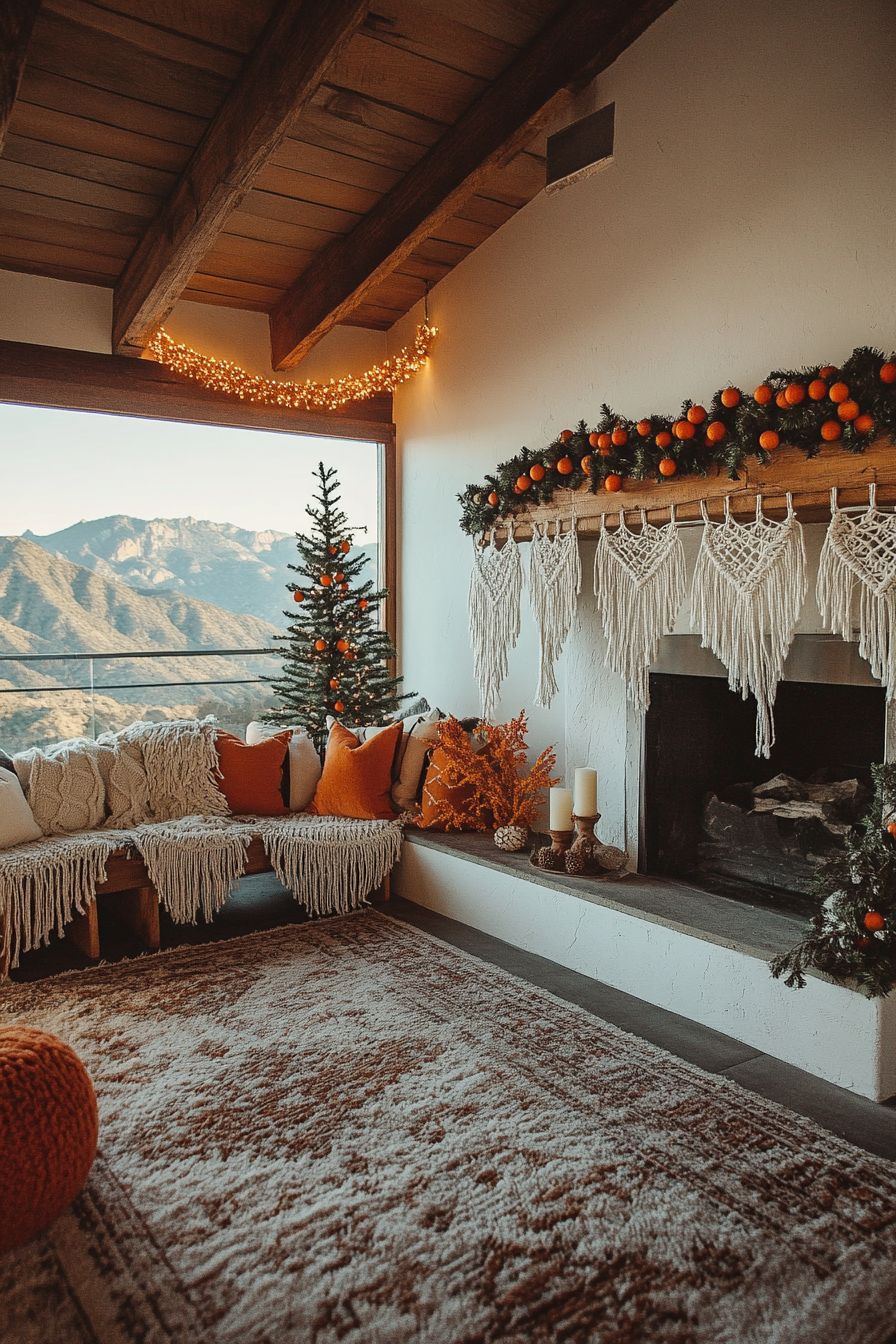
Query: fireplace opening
x=706, y=816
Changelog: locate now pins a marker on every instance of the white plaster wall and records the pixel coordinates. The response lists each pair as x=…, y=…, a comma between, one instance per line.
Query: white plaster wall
x=41, y=311
x=748, y=223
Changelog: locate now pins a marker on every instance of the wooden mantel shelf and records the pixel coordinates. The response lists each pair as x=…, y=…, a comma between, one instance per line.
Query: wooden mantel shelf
x=808, y=480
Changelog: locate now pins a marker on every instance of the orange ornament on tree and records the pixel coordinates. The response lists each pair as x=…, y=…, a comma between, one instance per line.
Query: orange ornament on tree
x=731, y=397
x=565, y=435
x=363, y=604
x=586, y=464
x=683, y=429
x=668, y=466
x=298, y=596
x=344, y=547
x=619, y=436
x=716, y=431
x=769, y=440
x=340, y=578
x=818, y=388
x=795, y=394
x=831, y=430
x=891, y=827
x=342, y=645
x=493, y=499
x=522, y=483
x=696, y=415
x=320, y=645
x=325, y=580
x=663, y=439
x=334, y=683
x=349, y=655
x=839, y=392
x=848, y=410
x=644, y=428
x=339, y=706
x=863, y=424
x=332, y=550
x=536, y=472
x=782, y=402
x=888, y=372
x=343, y=587
x=594, y=439
x=604, y=443
x=874, y=921
x=565, y=466
x=613, y=483
x=763, y=394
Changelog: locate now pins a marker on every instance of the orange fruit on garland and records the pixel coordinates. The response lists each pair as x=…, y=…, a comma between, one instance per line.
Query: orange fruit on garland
x=731, y=397
x=795, y=394
x=828, y=371
x=594, y=439
x=565, y=466
x=644, y=428
x=325, y=580
x=604, y=442
x=493, y=499
x=830, y=430
x=763, y=394
x=613, y=483
x=839, y=392
x=849, y=410
x=769, y=440
x=565, y=435
x=874, y=920
x=536, y=472
x=683, y=429
x=320, y=645
x=716, y=431
x=818, y=388
x=344, y=547
x=522, y=483
x=863, y=424
x=782, y=402
x=696, y=415
x=663, y=439
x=888, y=372
x=668, y=466
x=342, y=645
x=298, y=596
x=586, y=464
x=619, y=436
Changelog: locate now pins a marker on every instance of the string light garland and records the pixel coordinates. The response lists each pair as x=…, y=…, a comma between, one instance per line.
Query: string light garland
x=220, y=375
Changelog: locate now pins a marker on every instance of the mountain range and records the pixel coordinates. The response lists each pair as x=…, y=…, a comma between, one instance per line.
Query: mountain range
x=233, y=568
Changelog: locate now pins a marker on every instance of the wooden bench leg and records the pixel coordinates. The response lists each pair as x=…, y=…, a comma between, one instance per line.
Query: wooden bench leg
x=387, y=888
x=139, y=910
x=84, y=931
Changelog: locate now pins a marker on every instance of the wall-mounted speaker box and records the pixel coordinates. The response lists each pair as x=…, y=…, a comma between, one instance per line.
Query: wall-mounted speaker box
x=581, y=149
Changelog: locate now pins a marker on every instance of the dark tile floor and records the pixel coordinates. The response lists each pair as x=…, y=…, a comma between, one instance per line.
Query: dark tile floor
x=260, y=903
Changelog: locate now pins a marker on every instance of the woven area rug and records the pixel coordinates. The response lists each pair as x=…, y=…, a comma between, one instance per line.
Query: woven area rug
x=348, y=1131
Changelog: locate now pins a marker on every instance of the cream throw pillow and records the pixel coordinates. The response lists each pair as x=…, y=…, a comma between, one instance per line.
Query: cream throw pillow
x=17, y=824
x=417, y=743
x=305, y=768
x=63, y=786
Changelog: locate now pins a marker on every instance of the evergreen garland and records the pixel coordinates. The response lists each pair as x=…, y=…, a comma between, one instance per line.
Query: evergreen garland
x=335, y=659
x=853, y=937
x=794, y=406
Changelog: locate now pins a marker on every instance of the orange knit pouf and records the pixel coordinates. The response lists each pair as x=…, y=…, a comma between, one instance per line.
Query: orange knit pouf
x=48, y=1130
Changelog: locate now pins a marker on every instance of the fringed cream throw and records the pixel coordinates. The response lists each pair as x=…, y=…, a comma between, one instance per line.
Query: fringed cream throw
x=555, y=578
x=639, y=583
x=496, y=585
x=857, y=581
x=193, y=863
x=330, y=863
x=749, y=586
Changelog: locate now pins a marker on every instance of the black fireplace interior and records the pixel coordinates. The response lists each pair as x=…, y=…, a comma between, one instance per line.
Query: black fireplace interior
x=700, y=740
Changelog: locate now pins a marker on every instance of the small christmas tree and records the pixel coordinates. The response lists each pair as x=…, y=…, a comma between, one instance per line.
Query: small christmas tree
x=335, y=660
x=853, y=937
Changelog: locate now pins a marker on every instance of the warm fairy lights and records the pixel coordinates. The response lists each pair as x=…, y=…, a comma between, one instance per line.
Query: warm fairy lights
x=219, y=375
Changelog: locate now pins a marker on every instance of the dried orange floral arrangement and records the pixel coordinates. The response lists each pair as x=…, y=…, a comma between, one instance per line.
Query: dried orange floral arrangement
x=504, y=792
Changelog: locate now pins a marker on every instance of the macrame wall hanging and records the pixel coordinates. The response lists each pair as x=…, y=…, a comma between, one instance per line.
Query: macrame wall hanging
x=749, y=586
x=639, y=583
x=555, y=578
x=496, y=585
x=858, y=559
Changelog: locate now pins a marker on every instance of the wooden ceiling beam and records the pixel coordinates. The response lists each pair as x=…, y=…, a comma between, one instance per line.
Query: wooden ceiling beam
x=583, y=39
x=16, y=24
x=295, y=51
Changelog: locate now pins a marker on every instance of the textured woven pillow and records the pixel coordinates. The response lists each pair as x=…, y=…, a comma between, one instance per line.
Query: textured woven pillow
x=17, y=824
x=357, y=776
x=251, y=777
x=63, y=786
x=304, y=763
x=423, y=734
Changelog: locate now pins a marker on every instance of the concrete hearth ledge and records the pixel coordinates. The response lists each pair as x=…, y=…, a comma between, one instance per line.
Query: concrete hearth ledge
x=702, y=956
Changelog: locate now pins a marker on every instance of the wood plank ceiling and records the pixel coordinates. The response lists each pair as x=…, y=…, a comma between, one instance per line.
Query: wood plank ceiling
x=115, y=98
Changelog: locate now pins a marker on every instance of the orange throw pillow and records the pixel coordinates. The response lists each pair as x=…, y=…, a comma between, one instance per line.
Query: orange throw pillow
x=357, y=776
x=252, y=777
x=435, y=791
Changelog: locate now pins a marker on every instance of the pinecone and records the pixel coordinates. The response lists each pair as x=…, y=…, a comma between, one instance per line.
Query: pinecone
x=510, y=838
x=575, y=862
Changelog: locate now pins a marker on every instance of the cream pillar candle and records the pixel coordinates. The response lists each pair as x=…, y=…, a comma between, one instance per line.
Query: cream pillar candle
x=585, y=795
x=561, y=810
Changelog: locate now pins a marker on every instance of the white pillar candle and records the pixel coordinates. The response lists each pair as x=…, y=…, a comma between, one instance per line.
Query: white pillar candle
x=585, y=796
x=561, y=809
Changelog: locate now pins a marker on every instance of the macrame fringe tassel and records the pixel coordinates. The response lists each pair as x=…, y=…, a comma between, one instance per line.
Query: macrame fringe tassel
x=639, y=583
x=555, y=579
x=330, y=864
x=496, y=585
x=749, y=587
x=194, y=863
x=47, y=883
x=861, y=553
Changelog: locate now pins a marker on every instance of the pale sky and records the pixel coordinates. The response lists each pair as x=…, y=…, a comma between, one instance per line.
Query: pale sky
x=59, y=467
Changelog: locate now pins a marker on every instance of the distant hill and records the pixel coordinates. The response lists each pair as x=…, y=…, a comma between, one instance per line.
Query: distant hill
x=49, y=605
x=231, y=567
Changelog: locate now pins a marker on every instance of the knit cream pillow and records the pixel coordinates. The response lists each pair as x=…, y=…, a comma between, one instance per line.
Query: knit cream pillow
x=124, y=778
x=63, y=786
x=17, y=824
